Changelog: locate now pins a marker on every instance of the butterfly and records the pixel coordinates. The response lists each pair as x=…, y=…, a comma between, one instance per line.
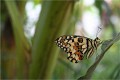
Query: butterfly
x=77, y=47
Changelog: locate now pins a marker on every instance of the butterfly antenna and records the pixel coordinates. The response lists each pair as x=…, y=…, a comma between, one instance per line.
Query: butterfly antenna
x=99, y=29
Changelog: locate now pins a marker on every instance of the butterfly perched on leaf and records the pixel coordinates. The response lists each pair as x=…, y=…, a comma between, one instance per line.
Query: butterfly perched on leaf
x=77, y=47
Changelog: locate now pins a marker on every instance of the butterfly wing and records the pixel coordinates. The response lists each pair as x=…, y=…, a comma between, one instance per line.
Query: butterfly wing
x=70, y=44
x=77, y=47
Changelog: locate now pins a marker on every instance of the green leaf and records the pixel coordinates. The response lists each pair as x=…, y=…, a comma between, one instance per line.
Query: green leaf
x=21, y=42
x=53, y=21
x=105, y=47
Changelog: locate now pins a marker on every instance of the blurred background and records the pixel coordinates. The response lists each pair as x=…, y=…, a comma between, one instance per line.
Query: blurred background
x=28, y=30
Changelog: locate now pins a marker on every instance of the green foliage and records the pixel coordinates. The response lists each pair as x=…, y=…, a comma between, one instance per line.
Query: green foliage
x=20, y=40
x=50, y=25
x=46, y=60
x=98, y=4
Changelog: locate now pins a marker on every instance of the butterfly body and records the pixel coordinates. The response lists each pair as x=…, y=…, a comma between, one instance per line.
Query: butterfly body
x=77, y=47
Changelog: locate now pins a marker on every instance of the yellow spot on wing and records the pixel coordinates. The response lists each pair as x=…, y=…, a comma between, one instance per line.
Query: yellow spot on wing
x=75, y=39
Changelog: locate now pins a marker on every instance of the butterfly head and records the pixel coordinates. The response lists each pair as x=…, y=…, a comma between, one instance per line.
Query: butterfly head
x=97, y=41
